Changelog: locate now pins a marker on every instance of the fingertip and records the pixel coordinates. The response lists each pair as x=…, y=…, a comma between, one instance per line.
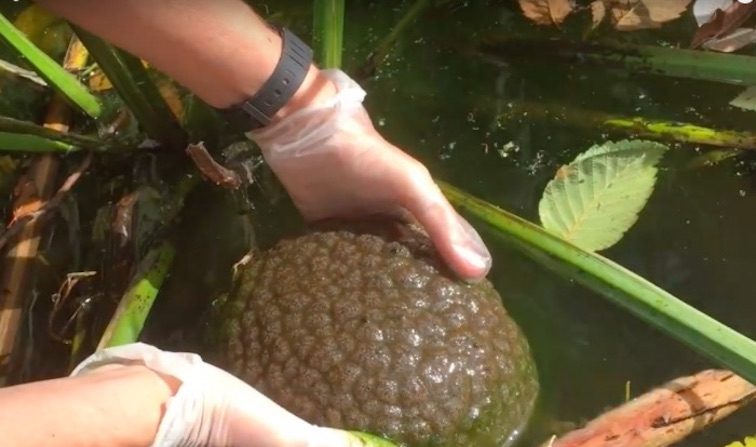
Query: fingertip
x=459, y=245
x=469, y=264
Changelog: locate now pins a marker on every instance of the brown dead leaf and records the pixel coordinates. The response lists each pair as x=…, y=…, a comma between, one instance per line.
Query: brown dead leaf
x=734, y=41
x=27, y=199
x=723, y=23
x=98, y=82
x=547, y=12
x=631, y=15
x=172, y=97
x=598, y=12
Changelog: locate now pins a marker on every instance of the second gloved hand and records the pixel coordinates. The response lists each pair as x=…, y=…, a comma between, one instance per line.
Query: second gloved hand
x=334, y=163
x=213, y=408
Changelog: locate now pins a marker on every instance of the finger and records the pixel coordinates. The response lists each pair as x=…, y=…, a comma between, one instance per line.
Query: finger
x=455, y=239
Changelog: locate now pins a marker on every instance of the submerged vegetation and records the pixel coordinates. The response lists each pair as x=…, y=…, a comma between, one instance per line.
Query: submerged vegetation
x=95, y=149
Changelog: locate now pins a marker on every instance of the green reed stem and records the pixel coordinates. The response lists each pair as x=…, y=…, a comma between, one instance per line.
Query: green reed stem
x=133, y=84
x=53, y=73
x=17, y=142
x=636, y=126
x=136, y=303
x=628, y=290
x=328, y=32
x=17, y=133
x=726, y=68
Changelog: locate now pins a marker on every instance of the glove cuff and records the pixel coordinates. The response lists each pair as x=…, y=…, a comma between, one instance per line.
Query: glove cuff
x=184, y=409
x=308, y=126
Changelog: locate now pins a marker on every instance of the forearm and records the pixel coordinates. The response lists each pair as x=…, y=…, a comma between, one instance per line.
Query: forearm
x=116, y=406
x=219, y=49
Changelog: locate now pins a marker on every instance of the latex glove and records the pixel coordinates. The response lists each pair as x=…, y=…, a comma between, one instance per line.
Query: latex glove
x=333, y=163
x=214, y=408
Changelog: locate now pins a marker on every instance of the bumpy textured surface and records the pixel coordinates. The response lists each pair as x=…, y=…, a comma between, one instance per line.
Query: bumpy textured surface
x=368, y=332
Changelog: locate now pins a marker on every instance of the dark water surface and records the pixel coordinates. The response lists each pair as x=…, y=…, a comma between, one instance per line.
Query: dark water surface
x=695, y=237
x=439, y=102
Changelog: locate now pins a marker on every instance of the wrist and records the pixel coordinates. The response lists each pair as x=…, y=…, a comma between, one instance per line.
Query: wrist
x=295, y=83
x=315, y=89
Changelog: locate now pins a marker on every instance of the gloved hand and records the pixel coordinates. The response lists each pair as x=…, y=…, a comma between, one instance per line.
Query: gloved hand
x=334, y=163
x=214, y=408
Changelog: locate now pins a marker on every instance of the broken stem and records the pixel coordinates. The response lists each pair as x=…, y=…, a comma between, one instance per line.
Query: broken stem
x=211, y=169
x=667, y=414
x=635, y=126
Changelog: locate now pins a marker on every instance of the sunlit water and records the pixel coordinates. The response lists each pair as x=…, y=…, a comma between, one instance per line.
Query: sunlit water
x=693, y=239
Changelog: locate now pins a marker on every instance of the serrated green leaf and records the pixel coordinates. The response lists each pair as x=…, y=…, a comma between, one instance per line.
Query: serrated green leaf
x=594, y=200
x=746, y=100
x=747, y=442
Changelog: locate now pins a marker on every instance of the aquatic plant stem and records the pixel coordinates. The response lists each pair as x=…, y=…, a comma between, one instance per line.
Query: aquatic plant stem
x=328, y=32
x=56, y=76
x=131, y=80
x=36, y=190
x=13, y=142
x=18, y=129
x=384, y=47
x=134, y=307
x=136, y=302
x=635, y=126
x=725, y=68
x=630, y=291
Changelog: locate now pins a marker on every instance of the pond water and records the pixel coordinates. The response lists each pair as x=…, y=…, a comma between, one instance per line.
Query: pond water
x=436, y=99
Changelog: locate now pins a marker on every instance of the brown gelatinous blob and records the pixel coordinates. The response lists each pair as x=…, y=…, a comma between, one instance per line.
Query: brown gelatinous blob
x=362, y=328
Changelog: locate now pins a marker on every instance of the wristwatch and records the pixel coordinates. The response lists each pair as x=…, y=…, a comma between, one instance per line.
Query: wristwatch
x=287, y=77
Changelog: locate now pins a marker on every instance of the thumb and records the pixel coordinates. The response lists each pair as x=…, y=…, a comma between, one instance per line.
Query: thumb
x=455, y=239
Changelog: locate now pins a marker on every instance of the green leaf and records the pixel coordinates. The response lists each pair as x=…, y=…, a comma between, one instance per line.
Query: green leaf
x=635, y=294
x=746, y=100
x=748, y=442
x=595, y=199
x=135, y=305
x=368, y=440
x=18, y=142
x=55, y=75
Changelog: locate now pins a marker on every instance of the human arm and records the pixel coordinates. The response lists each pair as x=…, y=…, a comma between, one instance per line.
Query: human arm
x=140, y=396
x=116, y=406
x=331, y=159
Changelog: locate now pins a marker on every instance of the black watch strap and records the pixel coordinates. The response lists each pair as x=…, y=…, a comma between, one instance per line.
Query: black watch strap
x=286, y=79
